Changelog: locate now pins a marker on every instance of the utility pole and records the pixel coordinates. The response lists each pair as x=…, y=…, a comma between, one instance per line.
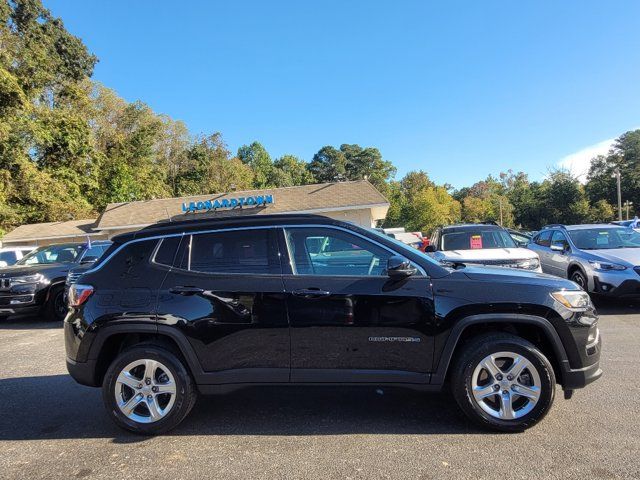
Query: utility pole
x=501, y=222
x=617, y=175
x=627, y=204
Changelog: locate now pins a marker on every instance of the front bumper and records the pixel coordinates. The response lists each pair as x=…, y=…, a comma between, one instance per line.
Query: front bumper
x=14, y=305
x=612, y=286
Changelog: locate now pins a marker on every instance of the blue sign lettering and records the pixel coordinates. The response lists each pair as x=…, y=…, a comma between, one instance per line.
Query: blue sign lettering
x=255, y=201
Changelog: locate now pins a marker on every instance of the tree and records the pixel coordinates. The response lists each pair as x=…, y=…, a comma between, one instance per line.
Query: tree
x=290, y=171
x=256, y=157
x=352, y=162
x=210, y=169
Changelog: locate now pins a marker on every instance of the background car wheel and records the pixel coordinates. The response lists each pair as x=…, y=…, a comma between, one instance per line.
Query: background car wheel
x=580, y=278
x=147, y=390
x=55, y=309
x=503, y=382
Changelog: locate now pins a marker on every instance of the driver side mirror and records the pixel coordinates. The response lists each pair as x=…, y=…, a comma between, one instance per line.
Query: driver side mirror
x=559, y=247
x=430, y=248
x=399, y=267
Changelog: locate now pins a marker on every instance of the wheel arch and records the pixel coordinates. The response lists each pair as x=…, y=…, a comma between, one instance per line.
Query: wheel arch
x=111, y=341
x=534, y=328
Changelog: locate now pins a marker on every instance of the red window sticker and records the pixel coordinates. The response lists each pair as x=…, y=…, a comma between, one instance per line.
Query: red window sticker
x=476, y=241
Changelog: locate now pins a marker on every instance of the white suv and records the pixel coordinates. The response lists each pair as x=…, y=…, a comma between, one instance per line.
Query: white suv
x=10, y=255
x=480, y=244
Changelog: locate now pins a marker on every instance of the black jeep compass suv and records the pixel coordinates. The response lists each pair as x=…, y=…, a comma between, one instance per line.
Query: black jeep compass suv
x=215, y=304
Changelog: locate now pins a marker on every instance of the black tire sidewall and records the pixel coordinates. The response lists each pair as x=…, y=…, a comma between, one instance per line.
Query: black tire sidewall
x=185, y=390
x=50, y=313
x=463, y=391
x=584, y=279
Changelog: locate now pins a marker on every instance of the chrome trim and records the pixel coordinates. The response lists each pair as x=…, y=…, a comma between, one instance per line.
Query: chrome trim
x=595, y=342
x=233, y=229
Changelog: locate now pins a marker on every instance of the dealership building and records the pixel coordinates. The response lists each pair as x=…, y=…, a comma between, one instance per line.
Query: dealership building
x=358, y=202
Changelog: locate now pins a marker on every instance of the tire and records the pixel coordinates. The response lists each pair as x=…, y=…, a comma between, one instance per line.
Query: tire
x=169, y=408
x=493, y=412
x=55, y=309
x=580, y=278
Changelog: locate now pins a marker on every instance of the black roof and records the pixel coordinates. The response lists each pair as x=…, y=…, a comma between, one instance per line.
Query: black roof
x=185, y=226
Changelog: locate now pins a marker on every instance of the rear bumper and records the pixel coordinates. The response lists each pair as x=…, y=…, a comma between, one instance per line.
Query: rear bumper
x=83, y=372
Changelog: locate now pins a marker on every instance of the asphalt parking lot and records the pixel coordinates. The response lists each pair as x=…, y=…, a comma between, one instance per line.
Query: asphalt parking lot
x=50, y=427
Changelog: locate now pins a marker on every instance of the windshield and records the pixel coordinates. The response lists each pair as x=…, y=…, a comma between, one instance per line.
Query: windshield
x=52, y=254
x=477, y=239
x=605, y=238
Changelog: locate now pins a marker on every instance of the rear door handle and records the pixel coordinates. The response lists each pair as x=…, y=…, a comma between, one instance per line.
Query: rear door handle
x=186, y=290
x=311, y=293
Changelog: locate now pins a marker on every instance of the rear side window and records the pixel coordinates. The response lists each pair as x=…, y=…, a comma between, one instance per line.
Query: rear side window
x=167, y=251
x=544, y=238
x=241, y=251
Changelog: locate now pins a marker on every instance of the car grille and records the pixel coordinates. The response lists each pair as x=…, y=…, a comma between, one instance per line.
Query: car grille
x=5, y=283
x=73, y=278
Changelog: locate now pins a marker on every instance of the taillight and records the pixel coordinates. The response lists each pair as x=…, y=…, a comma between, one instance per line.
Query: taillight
x=78, y=294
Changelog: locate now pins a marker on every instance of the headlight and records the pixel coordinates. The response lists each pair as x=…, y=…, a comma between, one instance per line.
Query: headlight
x=572, y=299
x=37, y=278
x=606, y=266
x=529, y=263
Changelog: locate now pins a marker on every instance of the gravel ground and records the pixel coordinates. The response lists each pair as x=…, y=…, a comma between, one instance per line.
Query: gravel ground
x=50, y=427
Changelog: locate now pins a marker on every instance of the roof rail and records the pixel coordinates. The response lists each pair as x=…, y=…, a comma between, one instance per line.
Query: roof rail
x=552, y=225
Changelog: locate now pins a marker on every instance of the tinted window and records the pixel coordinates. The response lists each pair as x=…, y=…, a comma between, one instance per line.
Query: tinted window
x=9, y=257
x=95, y=251
x=558, y=238
x=544, y=238
x=325, y=251
x=52, y=254
x=167, y=250
x=242, y=251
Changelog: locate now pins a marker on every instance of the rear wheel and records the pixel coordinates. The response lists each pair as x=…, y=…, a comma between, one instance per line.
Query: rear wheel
x=147, y=390
x=503, y=382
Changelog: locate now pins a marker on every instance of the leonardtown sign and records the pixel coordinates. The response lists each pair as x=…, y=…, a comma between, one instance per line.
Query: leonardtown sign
x=251, y=201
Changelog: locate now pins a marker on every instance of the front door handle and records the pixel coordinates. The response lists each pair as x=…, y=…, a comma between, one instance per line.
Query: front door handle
x=311, y=293
x=186, y=290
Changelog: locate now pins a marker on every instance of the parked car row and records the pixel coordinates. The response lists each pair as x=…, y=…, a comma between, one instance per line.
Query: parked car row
x=35, y=284
x=602, y=259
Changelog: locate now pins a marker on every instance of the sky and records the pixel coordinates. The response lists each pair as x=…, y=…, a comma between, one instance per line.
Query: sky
x=458, y=89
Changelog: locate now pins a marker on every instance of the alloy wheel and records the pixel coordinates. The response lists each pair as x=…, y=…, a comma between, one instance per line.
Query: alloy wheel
x=145, y=391
x=506, y=385
x=579, y=279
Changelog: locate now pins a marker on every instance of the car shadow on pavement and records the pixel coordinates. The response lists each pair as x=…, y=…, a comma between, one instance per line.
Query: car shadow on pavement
x=31, y=322
x=617, y=306
x=55, y=407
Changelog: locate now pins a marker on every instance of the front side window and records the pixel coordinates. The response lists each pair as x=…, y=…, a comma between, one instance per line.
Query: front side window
x=327, y=251
x=558, y=238
x=95, y=252
x=242, y=251
x=544, y=238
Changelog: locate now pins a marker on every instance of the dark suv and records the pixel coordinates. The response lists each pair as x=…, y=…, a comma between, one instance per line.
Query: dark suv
x=35, y=283
x=212, y=305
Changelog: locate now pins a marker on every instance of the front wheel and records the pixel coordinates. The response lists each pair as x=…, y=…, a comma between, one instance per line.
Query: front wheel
x=503, y=382
x=580, y=278
x=147, y=390
x=56, y=308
